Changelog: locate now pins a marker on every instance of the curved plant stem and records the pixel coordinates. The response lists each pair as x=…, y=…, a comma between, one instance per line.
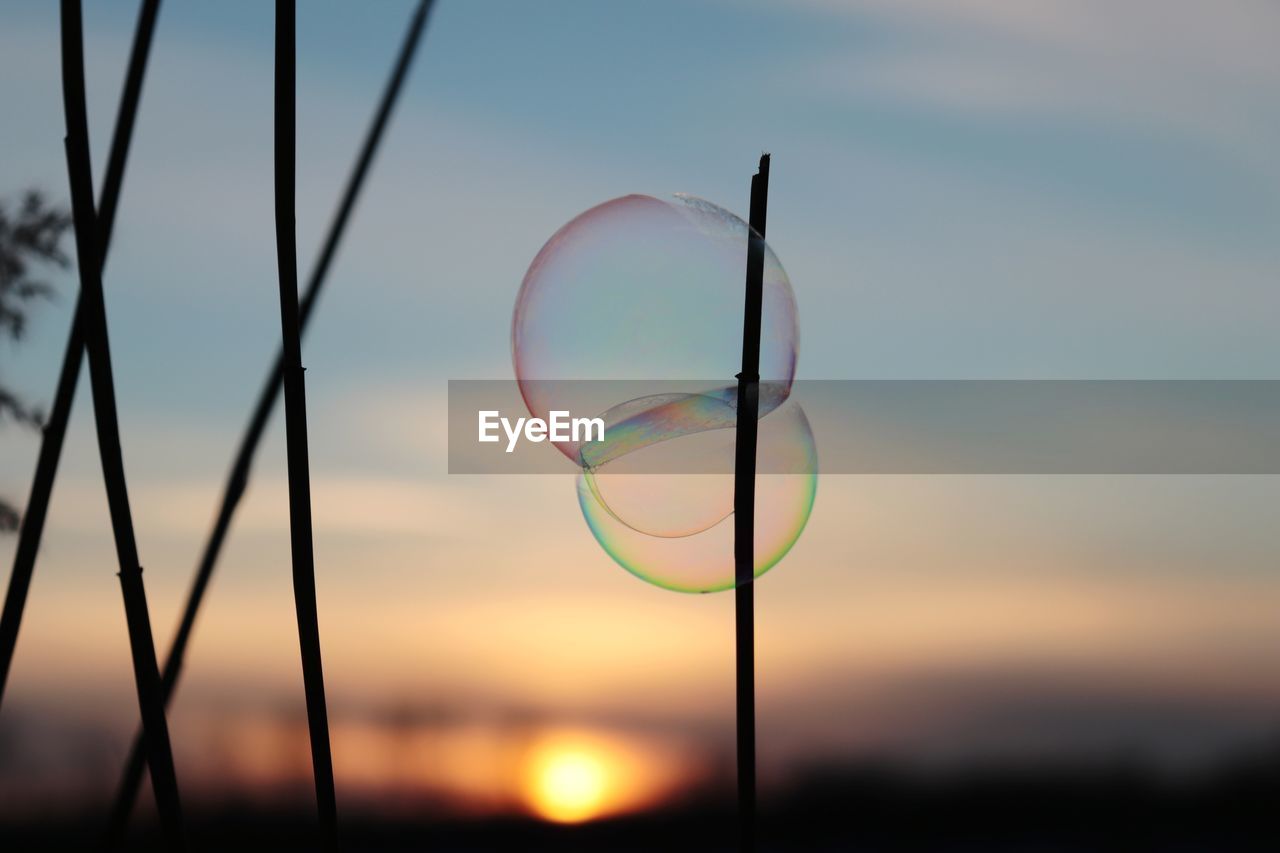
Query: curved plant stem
x=146, y=673
x=37, y=508
x=295, y=419
x=238, y=477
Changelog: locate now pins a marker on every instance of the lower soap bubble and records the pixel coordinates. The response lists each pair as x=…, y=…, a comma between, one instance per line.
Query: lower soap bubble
x=675, y=530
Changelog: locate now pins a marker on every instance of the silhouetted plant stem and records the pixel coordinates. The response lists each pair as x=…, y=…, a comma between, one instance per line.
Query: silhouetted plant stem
x=238, y=479
x=242, y=465
x=744, y=511
x=295, y=419
x=146, y=673
x=55, y=430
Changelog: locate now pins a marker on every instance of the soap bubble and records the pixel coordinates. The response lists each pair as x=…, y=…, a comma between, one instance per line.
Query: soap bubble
x=785, y=491
x=640, y=288
x=687, y=439
x=646, y=289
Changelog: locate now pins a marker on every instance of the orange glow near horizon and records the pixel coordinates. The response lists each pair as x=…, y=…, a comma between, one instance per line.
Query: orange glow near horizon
x=574, y=777
x=568, y=786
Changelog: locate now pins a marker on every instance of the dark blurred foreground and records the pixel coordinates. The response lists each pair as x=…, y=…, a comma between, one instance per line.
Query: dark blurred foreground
x=862, y=808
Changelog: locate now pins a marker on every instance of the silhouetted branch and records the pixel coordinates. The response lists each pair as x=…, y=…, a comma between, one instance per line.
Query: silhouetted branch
x=146, y=672
x=295, y=419
x=11, y=406
x=31, y=234
x=238, y=478
x=744, y=511
x=55, y=431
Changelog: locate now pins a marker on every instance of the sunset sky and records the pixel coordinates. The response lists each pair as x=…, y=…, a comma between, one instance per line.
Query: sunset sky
x=960, y=190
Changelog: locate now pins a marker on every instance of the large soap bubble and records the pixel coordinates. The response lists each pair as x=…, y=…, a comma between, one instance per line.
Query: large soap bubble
x=641, y=288
x=646, y=289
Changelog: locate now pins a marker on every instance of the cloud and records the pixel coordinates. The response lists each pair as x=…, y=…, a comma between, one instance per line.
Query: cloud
x=1232, y=39
x=1205, y=72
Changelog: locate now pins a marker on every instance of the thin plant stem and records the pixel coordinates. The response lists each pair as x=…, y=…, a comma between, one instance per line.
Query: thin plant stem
x=37, y=508
x=295, y=418
x=146, y=672
x=744, y=512
x=238, y=478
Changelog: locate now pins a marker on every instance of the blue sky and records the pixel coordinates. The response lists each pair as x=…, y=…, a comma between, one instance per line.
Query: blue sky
x=974, y=188
x=961, y=189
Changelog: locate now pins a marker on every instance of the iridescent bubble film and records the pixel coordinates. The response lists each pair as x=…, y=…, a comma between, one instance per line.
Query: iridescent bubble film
x=674, y=434
x=641, y=288
x=703, y=562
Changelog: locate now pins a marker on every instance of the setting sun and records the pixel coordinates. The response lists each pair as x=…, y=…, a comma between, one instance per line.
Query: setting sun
x=577, y=775
x=568, y=785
